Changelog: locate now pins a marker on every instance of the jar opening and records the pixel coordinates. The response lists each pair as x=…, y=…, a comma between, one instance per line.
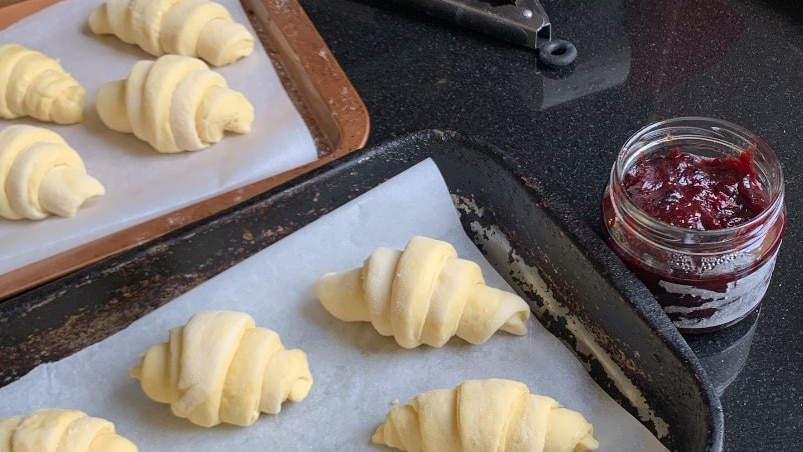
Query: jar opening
x=708, y=139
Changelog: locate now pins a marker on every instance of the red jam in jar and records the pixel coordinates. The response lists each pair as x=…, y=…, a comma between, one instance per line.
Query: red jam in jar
x=695, y=208
x=695, y=192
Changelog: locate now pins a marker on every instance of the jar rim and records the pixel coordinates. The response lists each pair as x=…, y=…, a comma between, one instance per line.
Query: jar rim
x=776, y=199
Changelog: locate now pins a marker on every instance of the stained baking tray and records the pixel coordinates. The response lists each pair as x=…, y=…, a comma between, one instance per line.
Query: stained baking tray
x=315, y=82
x=591, y=302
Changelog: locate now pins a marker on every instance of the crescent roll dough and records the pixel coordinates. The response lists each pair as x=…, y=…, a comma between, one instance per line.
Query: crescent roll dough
x=40, y=174
x=422, y=295
x=485, y=416
x=33, y=84
x=220, y=367
x=175, y=104
x=57, y=430
x=196, y=28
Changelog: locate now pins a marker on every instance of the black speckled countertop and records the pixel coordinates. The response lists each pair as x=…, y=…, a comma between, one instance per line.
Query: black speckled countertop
x=638, y=62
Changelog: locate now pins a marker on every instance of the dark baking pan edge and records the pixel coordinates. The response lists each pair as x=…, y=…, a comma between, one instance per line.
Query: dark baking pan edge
x=577, y=288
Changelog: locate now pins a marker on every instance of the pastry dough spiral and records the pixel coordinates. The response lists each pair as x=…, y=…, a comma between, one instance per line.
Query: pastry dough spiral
x=485, y=416
x=40, y=174
x=196, y=28
x=422, y=295
x=175, y=104
x=33, y=84
x=220, y=367
x=57, y=430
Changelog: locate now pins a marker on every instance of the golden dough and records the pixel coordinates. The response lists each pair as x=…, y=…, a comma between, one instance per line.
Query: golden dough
x=220, y=367
x=33, y=84
x=57, y=430
x=422, y=295
x=175, y=104
x=196, y=28
x=485, y=416
x=41, y=175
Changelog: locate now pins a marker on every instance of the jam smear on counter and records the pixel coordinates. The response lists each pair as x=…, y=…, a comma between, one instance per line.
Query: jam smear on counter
x=695, y=192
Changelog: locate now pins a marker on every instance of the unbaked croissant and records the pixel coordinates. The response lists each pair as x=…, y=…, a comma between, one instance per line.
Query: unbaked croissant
x=40, y=174
x=422, y=295
x=175, y=103
x=196, y=28
x=220, y=367
x=57, y=430
x=485, y=416
x=33, y=84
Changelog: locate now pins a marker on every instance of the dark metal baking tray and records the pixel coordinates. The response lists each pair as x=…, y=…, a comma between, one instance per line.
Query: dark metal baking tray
x=527, y=234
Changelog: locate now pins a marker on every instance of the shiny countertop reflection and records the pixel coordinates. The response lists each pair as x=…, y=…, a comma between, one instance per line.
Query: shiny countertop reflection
x=638, y=62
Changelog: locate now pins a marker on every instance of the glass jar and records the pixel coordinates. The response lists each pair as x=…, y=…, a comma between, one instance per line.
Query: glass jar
x=703, y=279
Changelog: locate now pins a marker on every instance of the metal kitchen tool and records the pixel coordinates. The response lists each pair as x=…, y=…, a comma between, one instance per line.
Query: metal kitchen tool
x=522, y=22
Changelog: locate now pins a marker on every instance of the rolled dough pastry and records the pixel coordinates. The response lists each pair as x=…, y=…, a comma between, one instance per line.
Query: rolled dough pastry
x=57, y=430
x=175, y=103
x=41, y=175
x=485, y=416
x=33, y=84
x=422, y=295
x=220, y=367
x=196, y=28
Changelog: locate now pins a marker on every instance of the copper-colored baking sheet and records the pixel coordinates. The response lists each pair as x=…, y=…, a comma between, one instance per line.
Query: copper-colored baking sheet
x=326, y=99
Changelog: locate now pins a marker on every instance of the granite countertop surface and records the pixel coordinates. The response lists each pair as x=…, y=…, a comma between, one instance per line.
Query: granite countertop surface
x=638, y=62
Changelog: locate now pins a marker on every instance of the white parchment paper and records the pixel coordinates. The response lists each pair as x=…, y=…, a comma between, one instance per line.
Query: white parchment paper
x=357, y=373
x=141, y=183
